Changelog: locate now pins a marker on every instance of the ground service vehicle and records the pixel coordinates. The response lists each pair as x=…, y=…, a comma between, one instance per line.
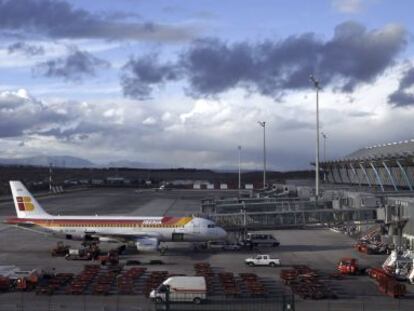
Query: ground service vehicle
x=181, y=289
x=5, y=284
x=256, y=239
x=60, y=250
x=349, y=266
x=263, y=260
x=225, y=246
x=112, y=258
x=79, y=254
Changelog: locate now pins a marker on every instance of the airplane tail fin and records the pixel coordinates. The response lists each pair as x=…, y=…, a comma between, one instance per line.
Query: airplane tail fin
x=25, y=204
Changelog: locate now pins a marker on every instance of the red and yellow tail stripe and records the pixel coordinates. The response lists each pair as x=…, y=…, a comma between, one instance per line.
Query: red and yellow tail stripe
x=25, y=204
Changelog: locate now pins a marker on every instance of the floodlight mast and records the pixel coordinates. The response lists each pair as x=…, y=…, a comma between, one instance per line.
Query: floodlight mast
x=239, y=148
x=325, y=137
x=263, y=124
x=317, y=88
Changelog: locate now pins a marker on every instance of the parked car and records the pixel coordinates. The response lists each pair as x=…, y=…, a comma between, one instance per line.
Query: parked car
x=263, y=260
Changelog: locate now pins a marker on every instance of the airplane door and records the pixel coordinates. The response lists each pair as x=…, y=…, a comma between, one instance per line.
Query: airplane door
x=196, y=227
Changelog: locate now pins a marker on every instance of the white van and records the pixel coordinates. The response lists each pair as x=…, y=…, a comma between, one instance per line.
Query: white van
x=261, y=239
x=182, y=289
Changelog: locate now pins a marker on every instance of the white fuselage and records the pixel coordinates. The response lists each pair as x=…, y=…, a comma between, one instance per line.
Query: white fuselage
x=163, y=228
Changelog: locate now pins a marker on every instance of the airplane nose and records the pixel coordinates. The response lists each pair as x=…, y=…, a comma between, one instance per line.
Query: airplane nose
x=222, y=233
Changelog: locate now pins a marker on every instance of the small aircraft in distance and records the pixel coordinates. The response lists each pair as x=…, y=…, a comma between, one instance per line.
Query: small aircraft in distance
x=145, y=232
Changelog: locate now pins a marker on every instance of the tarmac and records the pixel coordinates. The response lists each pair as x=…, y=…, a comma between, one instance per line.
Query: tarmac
x=319, y=248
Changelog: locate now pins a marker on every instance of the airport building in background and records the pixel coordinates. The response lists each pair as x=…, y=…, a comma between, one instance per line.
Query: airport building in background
x=386, y=170
x=383, y=168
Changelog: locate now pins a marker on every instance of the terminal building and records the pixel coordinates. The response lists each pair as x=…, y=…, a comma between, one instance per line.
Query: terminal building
x=383, y=168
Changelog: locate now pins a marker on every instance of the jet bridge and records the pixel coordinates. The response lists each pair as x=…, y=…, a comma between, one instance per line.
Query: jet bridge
x=284, y=214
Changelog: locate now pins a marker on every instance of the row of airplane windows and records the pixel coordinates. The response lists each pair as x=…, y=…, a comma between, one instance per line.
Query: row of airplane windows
x=118, y=225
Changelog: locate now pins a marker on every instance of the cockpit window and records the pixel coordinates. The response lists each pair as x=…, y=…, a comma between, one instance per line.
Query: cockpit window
x=211, y=226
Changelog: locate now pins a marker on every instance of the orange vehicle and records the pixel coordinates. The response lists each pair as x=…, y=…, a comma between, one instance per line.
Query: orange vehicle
x=111, y=258
x=27, y=282
x=348, y=266
x=5, y=284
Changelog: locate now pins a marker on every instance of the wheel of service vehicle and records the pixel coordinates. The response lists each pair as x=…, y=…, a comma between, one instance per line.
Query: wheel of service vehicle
x=251, y=264
x=158, y=300
x=163, y=250
x=272, y=264
x=197, y=301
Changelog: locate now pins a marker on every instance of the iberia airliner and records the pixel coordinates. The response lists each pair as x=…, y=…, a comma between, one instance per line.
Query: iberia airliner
x=145, y=232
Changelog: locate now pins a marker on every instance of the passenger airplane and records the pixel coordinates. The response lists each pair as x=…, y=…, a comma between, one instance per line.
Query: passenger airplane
x=145, y=232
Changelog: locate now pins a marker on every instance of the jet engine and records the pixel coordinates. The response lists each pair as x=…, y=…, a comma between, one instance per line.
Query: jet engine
x=77, y=237
x=107, y=240
x=147, y=245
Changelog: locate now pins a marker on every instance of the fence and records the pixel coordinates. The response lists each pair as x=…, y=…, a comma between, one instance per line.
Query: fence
x=222, y=303
x=31, y=302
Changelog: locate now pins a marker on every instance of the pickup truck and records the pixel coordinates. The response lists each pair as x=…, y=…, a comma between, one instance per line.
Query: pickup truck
x=262, y=260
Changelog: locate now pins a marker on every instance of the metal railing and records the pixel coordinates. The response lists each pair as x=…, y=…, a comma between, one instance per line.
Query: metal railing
x=223, y=303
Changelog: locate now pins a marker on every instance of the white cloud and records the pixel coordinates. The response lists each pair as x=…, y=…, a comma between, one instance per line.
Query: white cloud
x=348, y=6
x=180, y=131
x=149, y=121
x=166, y=116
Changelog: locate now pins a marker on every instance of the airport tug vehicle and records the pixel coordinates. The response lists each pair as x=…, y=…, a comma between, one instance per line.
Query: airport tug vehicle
x=349, y=266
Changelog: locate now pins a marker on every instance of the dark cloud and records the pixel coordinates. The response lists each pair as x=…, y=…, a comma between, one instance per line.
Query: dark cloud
x=356, y=55
x=74, y=67
x=59, y=19
x=140, y=76
x=27, y=49
x=401, y=97
x=79, y=131
x=353, y=56
x=213, y=66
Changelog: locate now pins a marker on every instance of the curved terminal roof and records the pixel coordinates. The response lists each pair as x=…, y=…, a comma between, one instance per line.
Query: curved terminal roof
x=390, y=150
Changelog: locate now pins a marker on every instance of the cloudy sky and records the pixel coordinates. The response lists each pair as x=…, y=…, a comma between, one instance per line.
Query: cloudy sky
x=183, y=83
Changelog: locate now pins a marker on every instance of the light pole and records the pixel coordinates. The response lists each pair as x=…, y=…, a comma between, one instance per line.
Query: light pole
x=239, y=147
x=324, y=136
x=50, y=177
x=317, y=87
x=263, y=124
x=324, y=153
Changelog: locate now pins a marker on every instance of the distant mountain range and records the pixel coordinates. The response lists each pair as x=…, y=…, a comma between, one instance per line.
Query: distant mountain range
x=56, y=161
x=74, y=162
x=132, y=164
